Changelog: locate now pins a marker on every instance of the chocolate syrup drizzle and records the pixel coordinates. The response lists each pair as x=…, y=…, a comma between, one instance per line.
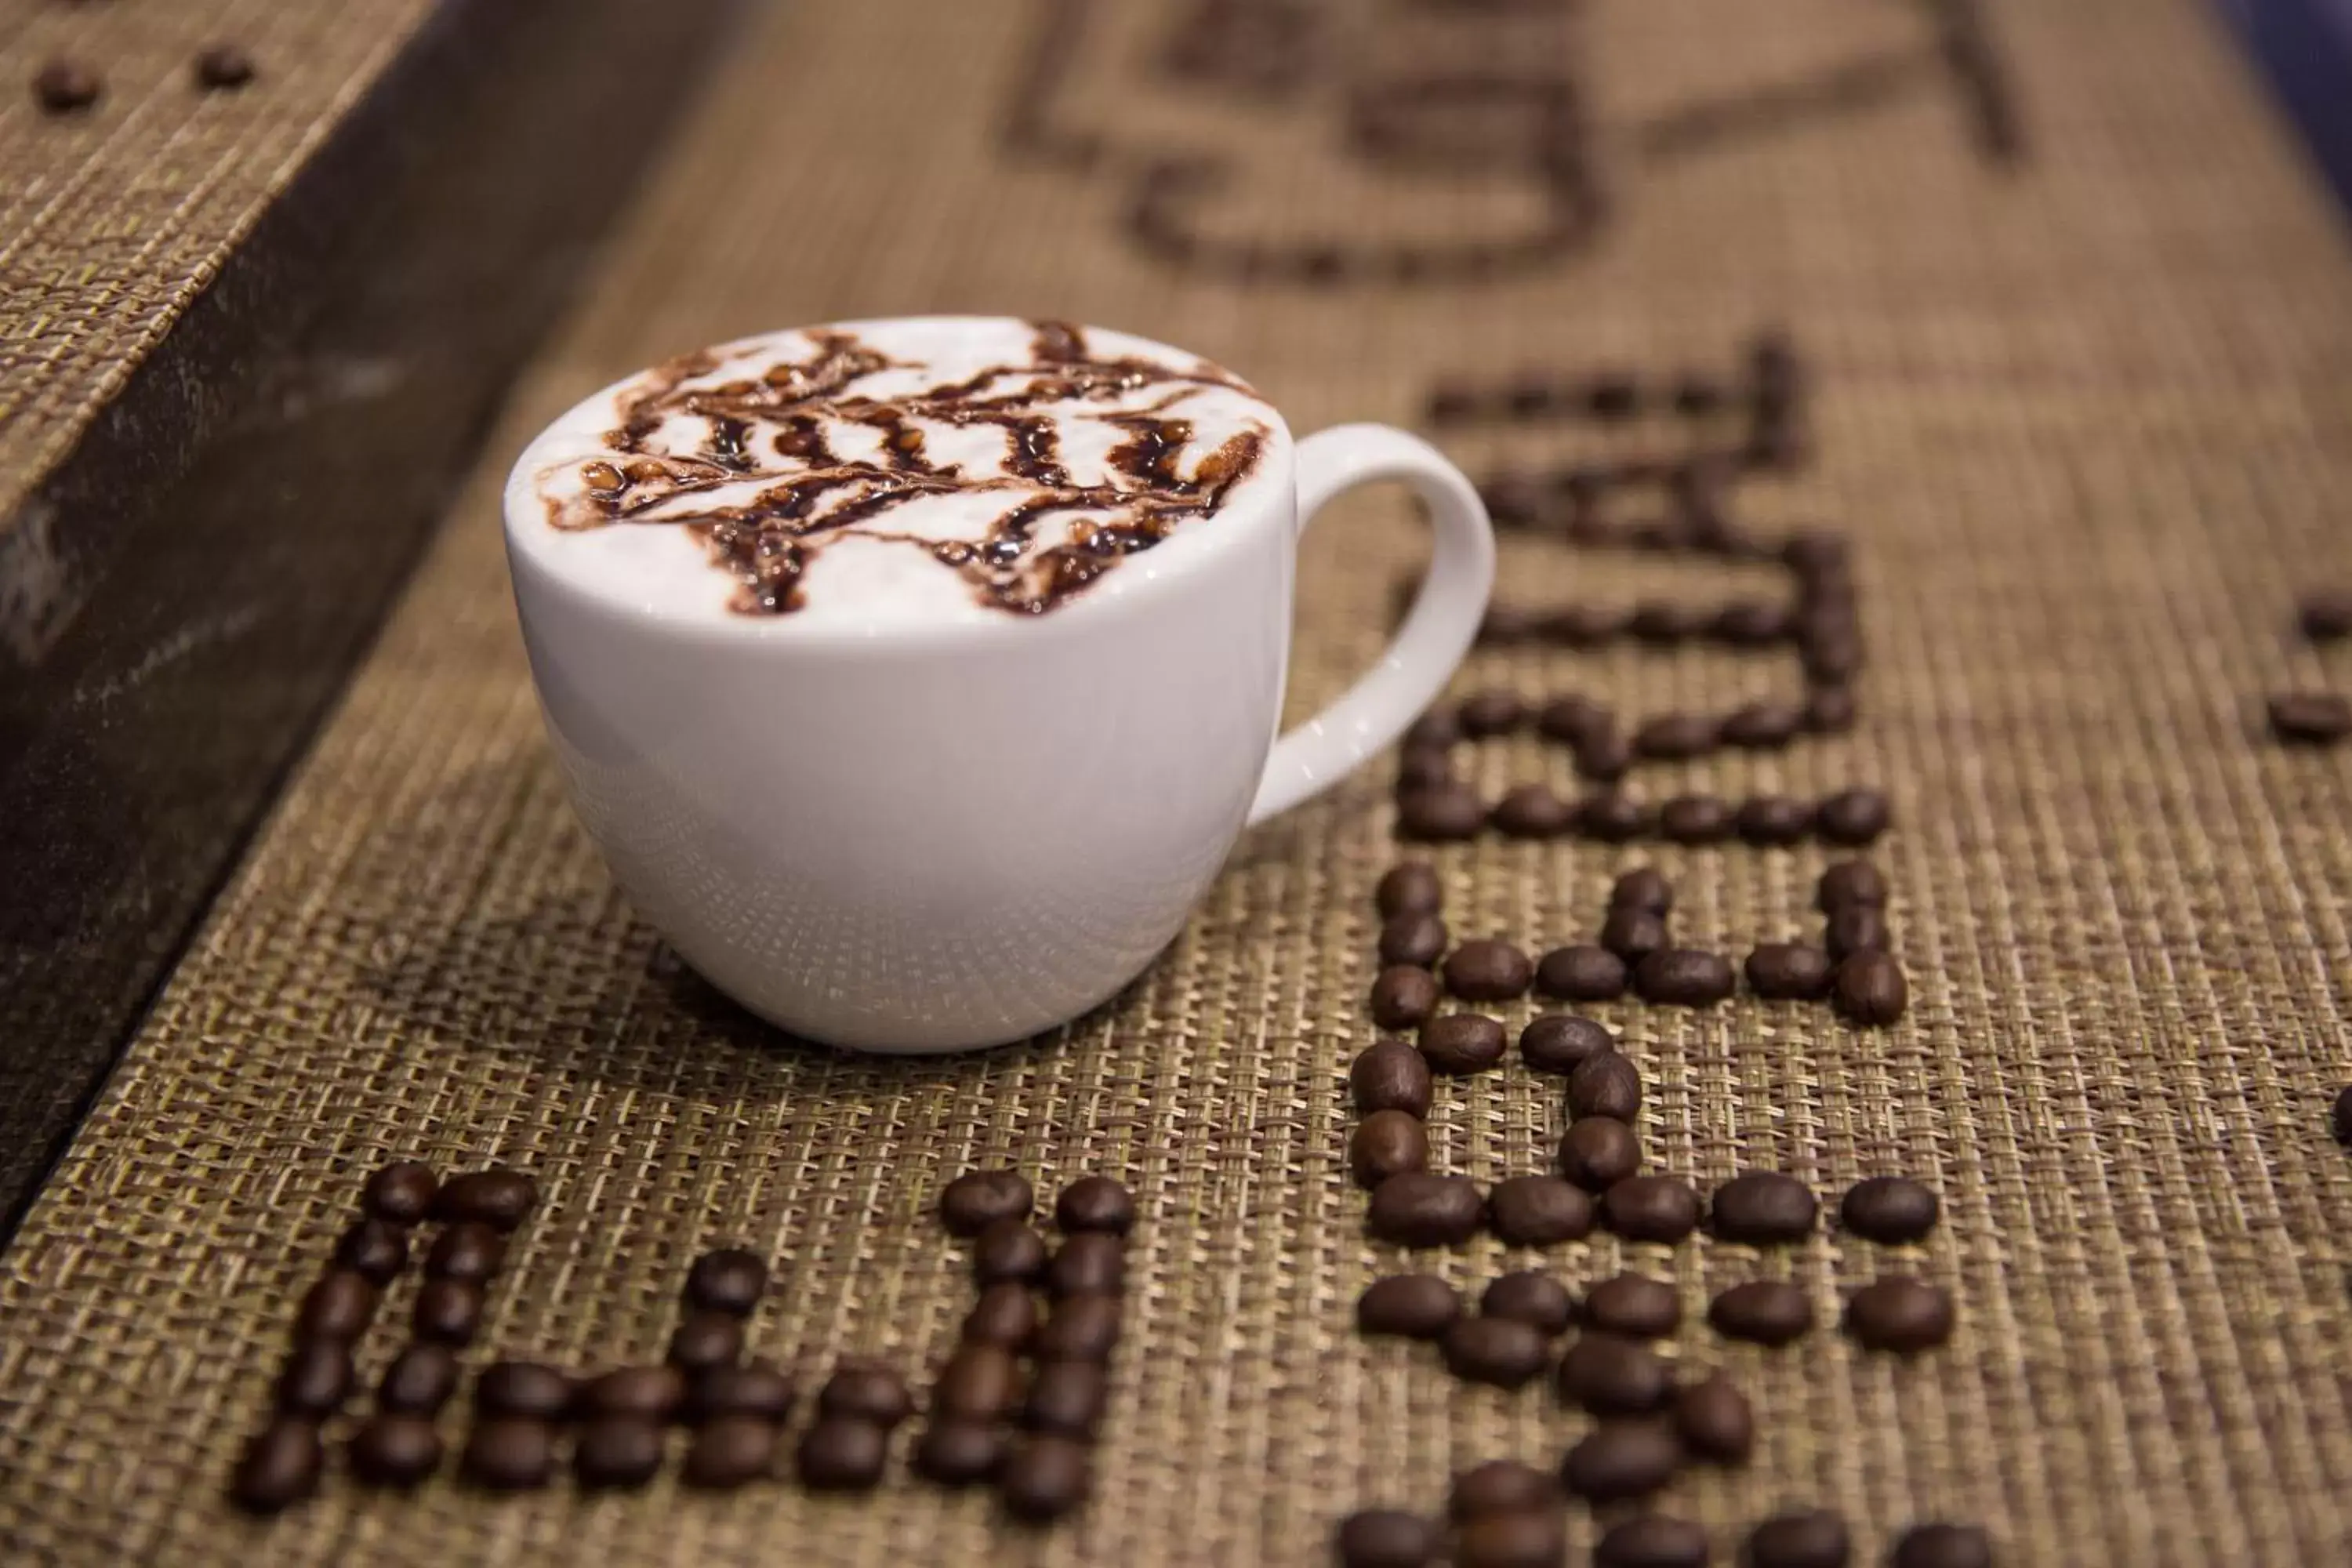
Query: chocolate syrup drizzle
x=774, y=428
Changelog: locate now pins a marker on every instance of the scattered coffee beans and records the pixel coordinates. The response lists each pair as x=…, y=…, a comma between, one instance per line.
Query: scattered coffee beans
x=279, y=1468
x=1901, y=1314
x=1041, y=1477
x=1440, y=813
x=1391, y=1076
x=223, y=68
x=960, y=1453
x=1651, y=1208
x=1870, y=989
x=1622, y=1459
x=374, y=1249
x=1537, y=1211
x=1714, y=1422
x=1422, y=1209
x=617, y=1451
x=760, y=1389
x=978, y=1199
x=1488, y=970
x=1499, y=1486
x=1462, y=1043
x=647, y=1393
x=1582, y=975
x=1763, y=1209
x=525, y=1389
x=1890, y=1209
x=1403, y=997
x=1414, y=1306
x=1612, y=818
x=1633, y=934
x=1610, y=1374
x=1387, y=1144
x=1770, y=820
x=1942, y=1546
x=1850, y=882
x=1005, y=1315
x=1410, y=888
x=497, y=1197
x=395, y=1450
x=1606, y=1085
x=1643, y=888
x=841, y=1454
x=1635, y=1306
x=1082, y=1328
x=1855, y=928
x=1695, y=819
x=509, y=1455
x=1560, y=1042
x=706, y=1340
x=1790, y=972
x=1066, y=1399
x=1527, y=1296
x=401, y=1193
x=419, y=1381
x=1762, y=1312
x=64, y=87
x=1497, y=1351
x=469, y=1251
x=1010, y=1249
x=317, y=1378
x=1683, y=977
x=1851, y=817
x=1814, y=1538
x=1599, y=1151
x=1416, y=940
x=729, y=1279
x=1494, y=711
x=1533, y=811
x=731, y=1452
x=1089, y=1263
x=1651, y=1541
x=2310, y=718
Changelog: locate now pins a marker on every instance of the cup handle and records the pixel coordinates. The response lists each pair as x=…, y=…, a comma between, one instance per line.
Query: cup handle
x=1447, y=613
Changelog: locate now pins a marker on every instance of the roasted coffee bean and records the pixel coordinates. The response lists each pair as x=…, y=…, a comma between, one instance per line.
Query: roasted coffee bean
x=1695, y=819
x=1643, y=888
x=1494, y=711
x=1418, y=940
x=1870, y=990
x=2326, y=616
x=496, y=1197
x=1424, y=769
x=1009, y=1249
x=1461, y=1043
x=337, y=1308
x=1713, y=1418
x=65, y=86
x=729, y=1279
x=419, y=1381
x=1589, y=623
x=1043, y=1478
x=1651, y=1541
x=1609, y=1374
x=705, y=1340
x=1531, y=1297
x=2340, y=1119
x=1607, y=1086
x=1090, y=1263
x=617, y=1451
x=1507, y=624
x=728, y=1453
x=2310, y=718
x=1581, y=973
x=1622, y=1459
x=1633, y=934
x=1414, y=1306
x=1769, y=819
x=1684, y=977
x=1633, y=1305
x=1850, y=882
x=1067, y=1397
x=1901, y=1314
x=374, y=1249
x=1387, y=1144
x=1083, y=1327
x=1423, y=1209
x=1497, y=1351
x=1851, y=817
x=509, y=1454
x=1942, y=1546
x=1762, y=1312
x=978, y=1199
x=1529, y=1538
x=1538, y=1211
x=1599, y=1151
x=1571, y=718
x=1856, y=928
x=1409, y=889
x=958, y=1453
x=401, y=1193
x=524, y=1388
x=842, y=1454
x=1500, y=1486
x=1829, y=710
x=395, y=1450
x=1696, y=395
x=1760, y=726
x=1669, y=621
x=1560, y=1042
x=1651, y=1208
x=1403, y=996
x=648, y=1393
x=1391, y=1076
x=1005, y=1315
x=1790, y=972
x=470, y=1251
x=980, y=1382
x=317, y=1378
x=1385, y=1538
x=1488, y=970
x=1603, y=754
x=753, y=1388
x=1890, y=1209
x=1812, y=553
x=1763, y=1209
x=279, y=1468
x=1533, y=811
x=1812, y=1538
x=1612, y=818
x=1437, y=729
x=1754, y=622
x=1673, y=736
x=223, y=68
x=1613, y=395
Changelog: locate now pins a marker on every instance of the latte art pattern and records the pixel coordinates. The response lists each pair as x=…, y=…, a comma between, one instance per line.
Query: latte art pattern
x=1079, y=460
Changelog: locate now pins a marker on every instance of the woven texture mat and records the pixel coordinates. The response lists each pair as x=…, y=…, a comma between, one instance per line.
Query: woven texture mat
x=2085, y=413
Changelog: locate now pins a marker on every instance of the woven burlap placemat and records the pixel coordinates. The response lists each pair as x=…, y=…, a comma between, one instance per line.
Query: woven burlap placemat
x=2081, y=394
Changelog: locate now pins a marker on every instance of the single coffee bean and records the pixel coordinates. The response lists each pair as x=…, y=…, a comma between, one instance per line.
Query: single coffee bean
x=2326, y=616
x=395, y=1450
x=1633, y=934
x=1435, y=728
x=469, y=1251
x=1497, y=1351
x=1714, y=1422
x=1651, y=1541
x=1851, y=817
x=842, y=1454
x=1612, y=818
x=1083, y=1327
x=1870, y=990
x=1635, y=1306
x=1855, y=928
x=1580, y=974
x=1754, y=622
x=1900, y=1314
x=1607, y=1085
x=1494, y=711
x=337, y=1308
x=279, y=1468
x=1440, y=813
x=1560, y=1042
x=1095, y=1203
x=524, y=1388
x=1889, y=1209
x=223, y=68
x=1603, y=754
x=2340, y=1119
x=1462, y=1043
x=1667, y=621
x=1538, y=1211
x=1622, y=1459
x=419, y=1381
x=1500, y=1486
x=1488, y=970
x=978, y=1199
x=374, y=1249
x=1599, y=1151
x=1417, y=939
x=1424, y=769
x=978, y=1381
x=1403, y=996
x=617, y=1451
x=1790, y=972
x=1005, y=1315
x=1850, y=882
x=1609, y=1374
x=1591, y=623
x=1043, y=1477
x=1762, y=726
x=1812, y=553
x=1829, y=710
x=1409, y=889
x=1531, y=1297
x=1697, y=394
x=401, y=1193
x=1695, y=819
x=1643, y=888
x=1008, y=1249
x=960, y=1453
x=1385, y=1538
x=705, y=1340
x=756, y=1388
x=1942, y=1546
x=1067, y=1397
x=1533, y=811
x=63, y=86
x=1089, y=1263
x=1651, y=1208
x=1812, y=1538
x=1528, y=1538
x=1764, y=1207
x=729, y=1279
x=317, y=1378
x=496, y=1197
x=1769, y=820
x=647, y=1392
x=2310, y=718
x=1422, y=1209
x=1571, y=718
x=1387, y=1144
x=1673, y=736
x=733, y=1451
x=509, y=1454
x=1391, y=1076
x=1414, y=1306
x=1684, y=977
x=1762, y=1312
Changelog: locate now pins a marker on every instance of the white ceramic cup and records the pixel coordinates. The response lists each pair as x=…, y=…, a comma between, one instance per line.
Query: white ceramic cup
x=933, y=836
